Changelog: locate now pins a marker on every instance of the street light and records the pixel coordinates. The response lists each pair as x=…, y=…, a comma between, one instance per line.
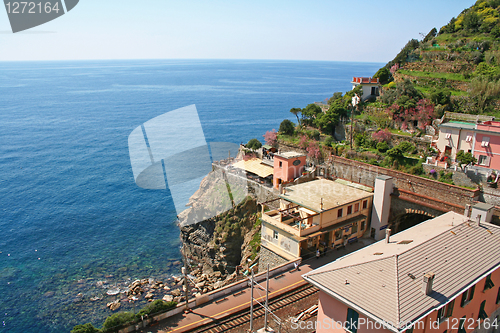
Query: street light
x=354, y=101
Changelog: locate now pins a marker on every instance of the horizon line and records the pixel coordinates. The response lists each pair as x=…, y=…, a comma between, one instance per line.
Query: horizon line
x=191, y=59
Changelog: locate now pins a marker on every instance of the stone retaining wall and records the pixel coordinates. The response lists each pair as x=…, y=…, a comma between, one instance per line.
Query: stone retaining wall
x=269, y=257
x=366, y=173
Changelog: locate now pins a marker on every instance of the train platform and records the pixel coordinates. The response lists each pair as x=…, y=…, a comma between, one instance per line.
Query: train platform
x=231, y=304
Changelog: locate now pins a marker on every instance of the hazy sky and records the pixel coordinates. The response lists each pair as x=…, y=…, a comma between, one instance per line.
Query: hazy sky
x=371, y=31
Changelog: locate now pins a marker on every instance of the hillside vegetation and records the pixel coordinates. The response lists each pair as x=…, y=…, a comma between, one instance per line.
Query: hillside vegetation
x=457, y=68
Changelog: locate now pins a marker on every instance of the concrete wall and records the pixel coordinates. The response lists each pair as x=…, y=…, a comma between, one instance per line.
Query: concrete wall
x=283, y=245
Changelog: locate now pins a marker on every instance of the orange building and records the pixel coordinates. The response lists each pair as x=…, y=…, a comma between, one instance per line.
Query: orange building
x=439, y=276
x=288, y=166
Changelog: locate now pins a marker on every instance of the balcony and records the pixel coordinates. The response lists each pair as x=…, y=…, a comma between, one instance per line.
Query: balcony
x=291, y=221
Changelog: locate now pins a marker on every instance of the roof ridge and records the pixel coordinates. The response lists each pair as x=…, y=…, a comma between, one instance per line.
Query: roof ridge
x=349, y=266
x=452, y=231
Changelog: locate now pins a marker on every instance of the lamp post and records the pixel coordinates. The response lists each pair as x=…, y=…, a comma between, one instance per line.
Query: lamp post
x=354, y=102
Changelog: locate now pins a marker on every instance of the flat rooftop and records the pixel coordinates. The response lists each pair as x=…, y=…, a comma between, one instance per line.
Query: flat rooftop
x=334, y=194
x=290, y=154
x=459, y=125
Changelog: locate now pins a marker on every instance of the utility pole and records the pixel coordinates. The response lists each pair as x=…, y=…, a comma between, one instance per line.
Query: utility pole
x=251, y=303
x=267, y=299
x=354, y=102
x=352, y=121
x=184, y=272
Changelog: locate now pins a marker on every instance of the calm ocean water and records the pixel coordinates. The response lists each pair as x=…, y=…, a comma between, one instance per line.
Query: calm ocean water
x=70, y=212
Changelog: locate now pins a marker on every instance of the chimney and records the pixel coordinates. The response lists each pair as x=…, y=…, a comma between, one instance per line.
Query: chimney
x=467, y=211
x=321, y=204
x=387, y=235
x=478, y=219
x=427, y=285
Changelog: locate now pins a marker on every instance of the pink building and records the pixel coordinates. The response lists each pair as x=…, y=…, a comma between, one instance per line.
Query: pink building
x=481, y=139
x=288, y=166
x=487, y=144
x=440, y=276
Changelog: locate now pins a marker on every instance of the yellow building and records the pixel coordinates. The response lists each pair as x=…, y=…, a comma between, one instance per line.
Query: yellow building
x=315, y=215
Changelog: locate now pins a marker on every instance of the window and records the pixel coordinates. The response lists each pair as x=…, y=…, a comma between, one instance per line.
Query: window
x=469, y=137
x=448, y=135
x=349, y=209
x=482, y=314
x=275, y=234
x=445, y=312
x=498, y=296
x=365, y=204
x=338, y=234
x=354, y=228
x=484, y=160
x=281, y=164
x=352, y=320
x=488, y=284
x=356, y=207
x=410, y=330
x=461, y=327
x=363, y=225
x=467, y=296
x=339, y=213
x=485, y=142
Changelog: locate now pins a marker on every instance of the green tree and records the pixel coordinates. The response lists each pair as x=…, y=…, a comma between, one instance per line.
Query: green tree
x=406, y=147
x=310, y=113
x=465, y=158
x=254, y=144
x=382, y=146
x=85, y=328
x=383, y=75
x=296, y=112
x=287, y=127
x=115, y=321
x=441, y=96
x=430, y=35
x=336, y=95
x=327, y=122
x=472, y=21
x=395, y=153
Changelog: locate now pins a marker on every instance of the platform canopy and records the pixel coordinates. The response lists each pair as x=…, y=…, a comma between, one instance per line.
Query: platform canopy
x=255, y=166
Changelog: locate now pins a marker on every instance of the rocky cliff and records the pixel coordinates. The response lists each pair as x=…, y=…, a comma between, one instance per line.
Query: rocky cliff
x=214, y=247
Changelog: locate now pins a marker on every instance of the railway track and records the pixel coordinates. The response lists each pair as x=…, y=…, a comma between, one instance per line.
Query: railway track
x=243, y=317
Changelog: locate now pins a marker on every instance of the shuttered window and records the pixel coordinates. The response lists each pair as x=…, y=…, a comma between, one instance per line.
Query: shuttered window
x=352, y=320
x=467, y=296
x=489, y=283
x=482, y=314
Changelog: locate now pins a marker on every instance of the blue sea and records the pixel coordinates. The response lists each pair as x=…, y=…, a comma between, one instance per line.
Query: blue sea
x=72, y=220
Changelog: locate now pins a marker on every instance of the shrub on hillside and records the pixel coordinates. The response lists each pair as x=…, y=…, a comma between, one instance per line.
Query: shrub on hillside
x=315, y=135
x=254, y=144
x=329, y=141
x=406, y=147
x=287, y=127
x=157, y=307
x=382, y=135
x=85, y=328
x=117, y=320
x=382, y=146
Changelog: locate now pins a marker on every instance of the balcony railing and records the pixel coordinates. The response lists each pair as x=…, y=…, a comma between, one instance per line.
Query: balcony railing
x=291, y=222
